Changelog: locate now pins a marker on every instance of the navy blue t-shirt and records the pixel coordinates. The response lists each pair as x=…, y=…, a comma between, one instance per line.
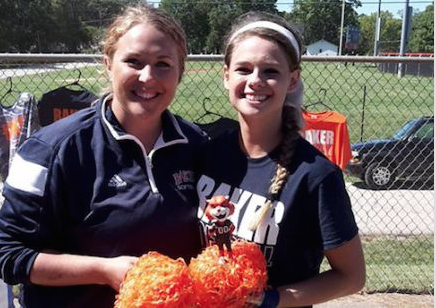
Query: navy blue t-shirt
x=62, y=102
x=312, y=214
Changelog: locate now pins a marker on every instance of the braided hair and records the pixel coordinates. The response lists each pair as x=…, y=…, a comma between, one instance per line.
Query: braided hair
x=290, y=130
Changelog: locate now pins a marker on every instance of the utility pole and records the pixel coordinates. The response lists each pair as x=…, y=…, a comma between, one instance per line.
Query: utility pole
x=377, y=30
x=342, y=28
x=404, y=34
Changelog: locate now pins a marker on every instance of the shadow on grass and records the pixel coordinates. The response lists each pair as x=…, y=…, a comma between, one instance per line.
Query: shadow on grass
x=401, y=291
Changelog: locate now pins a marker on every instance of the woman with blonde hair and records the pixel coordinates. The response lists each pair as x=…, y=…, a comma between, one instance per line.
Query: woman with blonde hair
x=90, y=193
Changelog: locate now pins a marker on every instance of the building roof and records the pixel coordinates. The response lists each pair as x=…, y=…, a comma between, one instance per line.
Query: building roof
x=321, y=42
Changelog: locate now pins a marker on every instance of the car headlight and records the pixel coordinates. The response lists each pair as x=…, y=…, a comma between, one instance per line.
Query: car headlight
x=355, y=157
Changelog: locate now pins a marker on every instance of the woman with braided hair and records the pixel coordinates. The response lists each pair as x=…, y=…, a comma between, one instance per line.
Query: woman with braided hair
x=288, y=197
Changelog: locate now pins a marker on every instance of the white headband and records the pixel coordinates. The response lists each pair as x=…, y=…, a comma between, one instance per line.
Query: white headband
x=273, y=26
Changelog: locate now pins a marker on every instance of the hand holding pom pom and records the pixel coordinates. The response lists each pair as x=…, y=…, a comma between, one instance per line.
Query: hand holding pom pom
x=230, y=285
x=211, y=281
x=156, y=281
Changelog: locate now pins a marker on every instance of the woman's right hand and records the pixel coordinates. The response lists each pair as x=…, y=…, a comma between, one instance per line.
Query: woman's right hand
x=115, y=270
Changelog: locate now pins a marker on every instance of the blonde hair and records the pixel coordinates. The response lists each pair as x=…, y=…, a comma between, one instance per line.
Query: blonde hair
x=143, y=14
x=291, y=114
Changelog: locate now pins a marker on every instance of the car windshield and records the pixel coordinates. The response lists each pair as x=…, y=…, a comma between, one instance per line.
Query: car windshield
x=404, y=130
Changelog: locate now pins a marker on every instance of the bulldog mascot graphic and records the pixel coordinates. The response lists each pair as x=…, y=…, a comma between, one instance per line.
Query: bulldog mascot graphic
x=220, y=228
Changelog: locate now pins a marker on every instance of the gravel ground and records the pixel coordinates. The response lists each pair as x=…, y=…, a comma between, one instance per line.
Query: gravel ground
x=376, y=300
x=381, y=300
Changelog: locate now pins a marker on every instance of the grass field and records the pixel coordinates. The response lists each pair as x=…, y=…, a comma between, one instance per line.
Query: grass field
x=401, y=265
x=389, y=101
x=376, y=104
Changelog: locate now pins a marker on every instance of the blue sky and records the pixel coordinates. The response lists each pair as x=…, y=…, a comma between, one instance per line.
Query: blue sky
x=371, y=6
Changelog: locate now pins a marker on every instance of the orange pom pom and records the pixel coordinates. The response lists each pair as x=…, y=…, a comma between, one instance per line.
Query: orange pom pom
x=230, y=284
x=156, y=281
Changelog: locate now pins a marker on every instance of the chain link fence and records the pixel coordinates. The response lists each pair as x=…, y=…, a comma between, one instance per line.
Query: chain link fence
x=390, y=179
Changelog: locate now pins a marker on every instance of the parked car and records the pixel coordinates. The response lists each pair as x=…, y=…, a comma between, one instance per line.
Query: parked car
x=407, y=156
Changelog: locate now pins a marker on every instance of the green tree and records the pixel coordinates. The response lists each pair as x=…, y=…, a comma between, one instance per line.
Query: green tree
x=422, y=37
x=8, y=28
x=220, y=16
x=193, y=17
x=97, y=16
x=41, y=24
x=256, y=5
x=80, y=23
x=54, y=25
x=390, y=33
x=206, y=22
x=26, y=25
x=222, y=13
x=320, y=19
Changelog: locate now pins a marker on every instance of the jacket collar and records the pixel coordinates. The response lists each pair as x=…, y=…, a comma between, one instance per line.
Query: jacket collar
x=171, y=130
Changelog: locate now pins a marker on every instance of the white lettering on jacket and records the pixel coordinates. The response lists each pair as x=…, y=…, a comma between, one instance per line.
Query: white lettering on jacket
x=184, y=179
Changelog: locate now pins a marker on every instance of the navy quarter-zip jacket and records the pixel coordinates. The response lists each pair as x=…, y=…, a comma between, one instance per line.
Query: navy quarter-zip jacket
x=84, y=186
